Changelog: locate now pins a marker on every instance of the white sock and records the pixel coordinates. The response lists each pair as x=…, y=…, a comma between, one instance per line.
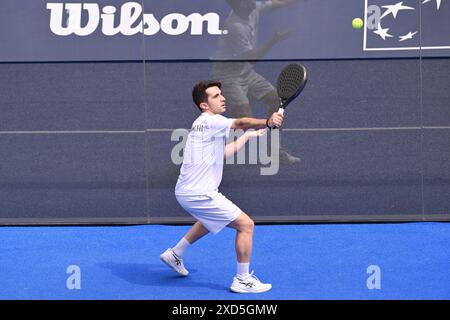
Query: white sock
x=243, y=269
x=182, y=245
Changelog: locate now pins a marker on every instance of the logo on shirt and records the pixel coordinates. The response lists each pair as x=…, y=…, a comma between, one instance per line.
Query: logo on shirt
x=197, y=128
x=83, y=19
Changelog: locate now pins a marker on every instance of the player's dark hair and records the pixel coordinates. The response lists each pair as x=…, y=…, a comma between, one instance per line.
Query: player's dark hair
x=199, y=94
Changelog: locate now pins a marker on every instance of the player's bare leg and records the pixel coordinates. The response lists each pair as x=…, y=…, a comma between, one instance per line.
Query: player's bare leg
x=244, y=281
x=244, y=237
x=196, y=232
x=173, y=257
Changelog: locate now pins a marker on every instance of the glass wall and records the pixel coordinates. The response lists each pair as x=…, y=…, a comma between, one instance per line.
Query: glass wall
x=88, y=140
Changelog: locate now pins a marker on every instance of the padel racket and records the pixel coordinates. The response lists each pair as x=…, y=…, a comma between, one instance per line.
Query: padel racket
x=291, y=81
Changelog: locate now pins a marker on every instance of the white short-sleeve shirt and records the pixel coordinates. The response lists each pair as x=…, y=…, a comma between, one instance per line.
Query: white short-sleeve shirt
x=203, y=159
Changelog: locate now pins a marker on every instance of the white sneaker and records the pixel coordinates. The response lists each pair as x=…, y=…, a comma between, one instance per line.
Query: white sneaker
x=249, y=284
x=175, y=262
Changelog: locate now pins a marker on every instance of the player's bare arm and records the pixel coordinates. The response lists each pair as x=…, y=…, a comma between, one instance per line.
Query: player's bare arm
x=233, y=147
x=276, y=120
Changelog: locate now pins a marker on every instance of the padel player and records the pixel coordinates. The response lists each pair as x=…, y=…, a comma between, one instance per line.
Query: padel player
x=200, y=176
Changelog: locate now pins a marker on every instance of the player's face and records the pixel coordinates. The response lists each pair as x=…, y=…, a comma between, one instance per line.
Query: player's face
x=216, y=101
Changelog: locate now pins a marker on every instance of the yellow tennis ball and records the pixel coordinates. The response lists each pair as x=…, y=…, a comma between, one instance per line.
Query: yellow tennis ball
x=357, y=23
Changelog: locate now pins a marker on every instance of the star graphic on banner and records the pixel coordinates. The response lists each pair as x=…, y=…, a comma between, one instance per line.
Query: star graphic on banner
x=407, y=36
x=438, y=3
x=383, y=33
x=394, y=9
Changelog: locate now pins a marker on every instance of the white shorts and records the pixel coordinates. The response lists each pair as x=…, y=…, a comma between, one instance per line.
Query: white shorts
x=215, y=212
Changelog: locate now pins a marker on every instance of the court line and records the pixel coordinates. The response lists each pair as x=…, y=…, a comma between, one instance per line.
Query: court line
x=172, y=129
x=367, y=129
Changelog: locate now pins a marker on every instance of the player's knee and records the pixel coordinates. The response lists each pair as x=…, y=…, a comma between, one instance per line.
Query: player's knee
x=249, y=225
x=243, y=223
x=252, y=225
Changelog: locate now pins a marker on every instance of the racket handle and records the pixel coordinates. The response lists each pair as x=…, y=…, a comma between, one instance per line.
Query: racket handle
x=280, y=110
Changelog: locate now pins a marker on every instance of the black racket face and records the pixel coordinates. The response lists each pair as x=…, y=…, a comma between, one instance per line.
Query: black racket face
x=291, y=81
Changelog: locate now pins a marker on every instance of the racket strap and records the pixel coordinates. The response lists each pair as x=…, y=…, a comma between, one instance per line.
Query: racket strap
x=267, y=124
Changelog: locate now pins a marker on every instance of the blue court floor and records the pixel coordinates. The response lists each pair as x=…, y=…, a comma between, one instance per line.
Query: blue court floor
x=404, y=261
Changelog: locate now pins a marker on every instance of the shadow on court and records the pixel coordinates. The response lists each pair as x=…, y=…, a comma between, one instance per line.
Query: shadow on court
x=156, y=275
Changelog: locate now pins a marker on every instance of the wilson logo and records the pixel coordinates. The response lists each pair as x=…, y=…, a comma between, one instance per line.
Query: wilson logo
x=83, y=19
